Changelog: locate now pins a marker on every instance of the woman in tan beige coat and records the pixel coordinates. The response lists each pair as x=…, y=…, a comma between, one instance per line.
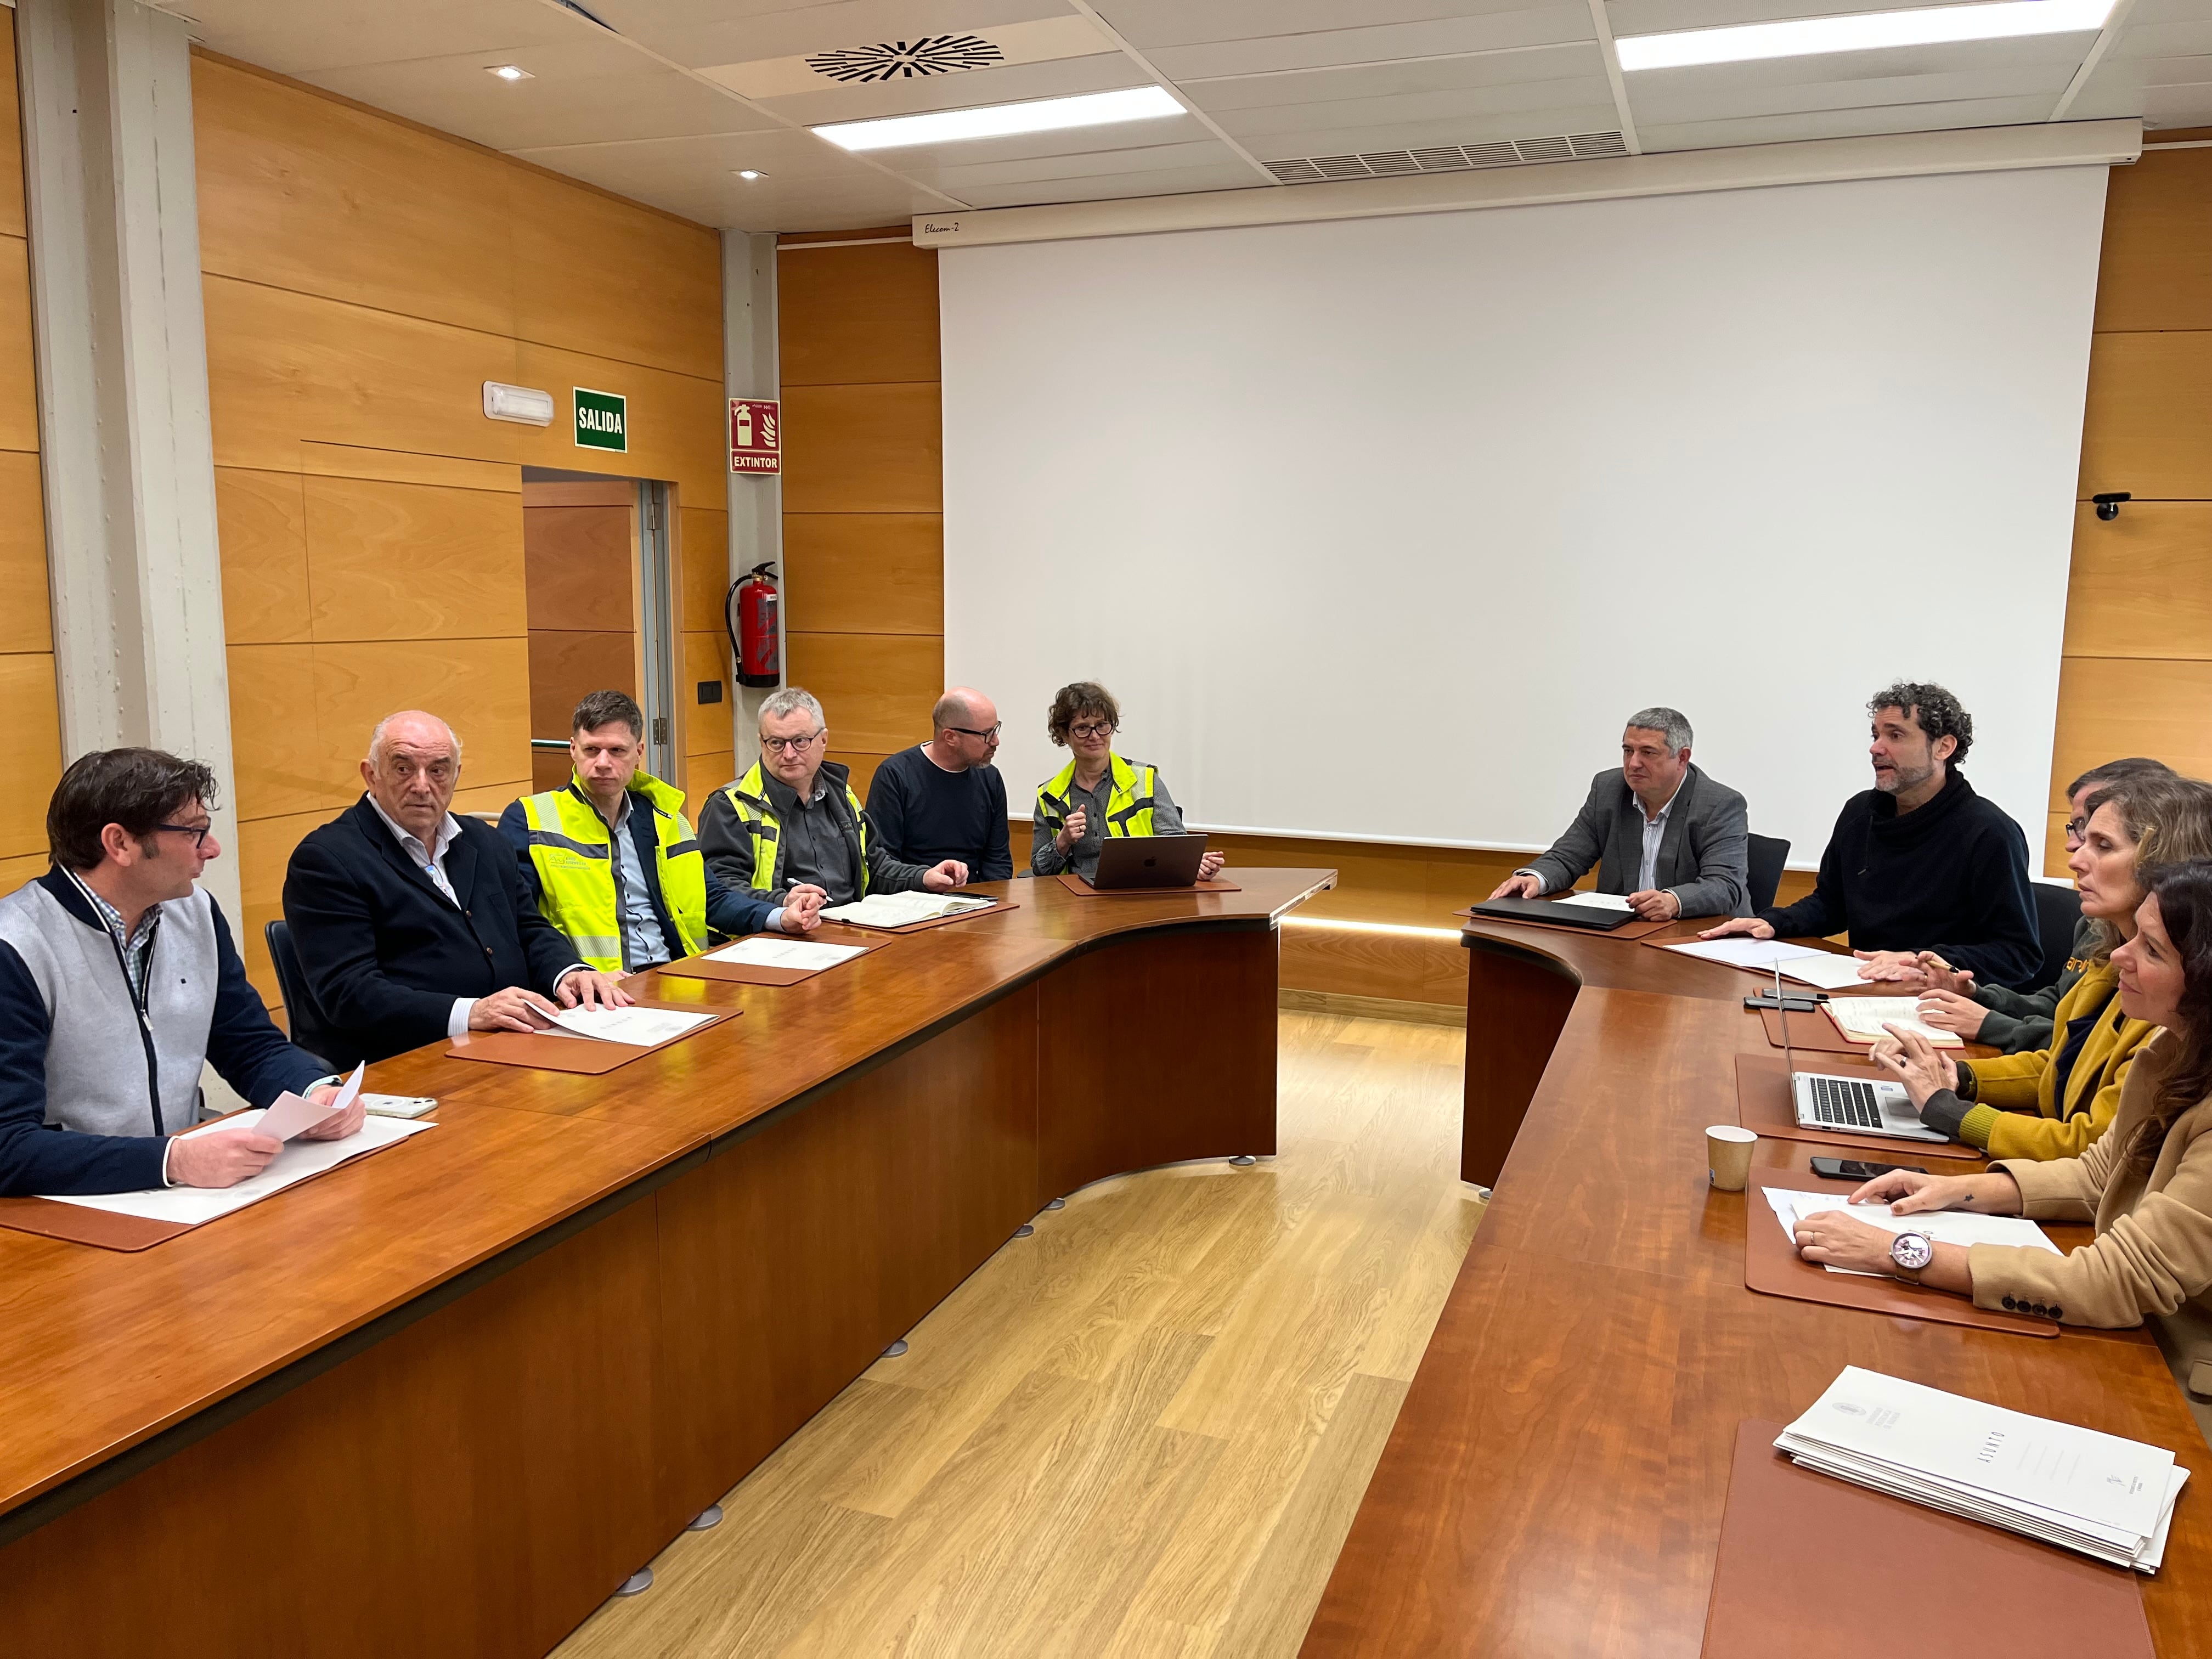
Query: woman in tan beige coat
x=2146, y=1183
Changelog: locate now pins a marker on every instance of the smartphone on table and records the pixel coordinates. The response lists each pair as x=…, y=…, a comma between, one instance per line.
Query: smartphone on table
x=1852, y=1169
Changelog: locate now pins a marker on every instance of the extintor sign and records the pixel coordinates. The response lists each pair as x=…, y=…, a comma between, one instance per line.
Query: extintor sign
x=755, y=434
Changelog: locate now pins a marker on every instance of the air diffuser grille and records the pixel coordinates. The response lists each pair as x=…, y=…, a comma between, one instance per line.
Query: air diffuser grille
x=907, y=60
x=1448, y=158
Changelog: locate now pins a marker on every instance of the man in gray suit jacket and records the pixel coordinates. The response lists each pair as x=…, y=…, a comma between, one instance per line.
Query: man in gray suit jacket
x=1658, y=829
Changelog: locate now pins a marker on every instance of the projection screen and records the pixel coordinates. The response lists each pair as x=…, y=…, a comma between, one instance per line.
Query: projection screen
x=1379, y=529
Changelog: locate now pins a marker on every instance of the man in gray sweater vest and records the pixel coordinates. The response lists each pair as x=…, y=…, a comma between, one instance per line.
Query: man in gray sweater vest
x=118, y=980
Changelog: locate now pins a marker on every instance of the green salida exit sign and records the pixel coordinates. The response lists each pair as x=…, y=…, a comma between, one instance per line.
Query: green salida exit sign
x=602, y=419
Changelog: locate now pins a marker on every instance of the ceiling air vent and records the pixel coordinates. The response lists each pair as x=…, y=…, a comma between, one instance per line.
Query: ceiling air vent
x=1448, y=158
x=907, y=60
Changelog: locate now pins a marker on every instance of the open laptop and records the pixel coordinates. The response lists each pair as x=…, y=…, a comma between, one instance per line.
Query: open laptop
x=1597, y=920
x=1148, y=861
x=1857, y=1105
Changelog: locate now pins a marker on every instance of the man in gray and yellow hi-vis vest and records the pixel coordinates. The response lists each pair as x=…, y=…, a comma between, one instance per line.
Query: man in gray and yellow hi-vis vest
x=612, y=862
x=792, y=827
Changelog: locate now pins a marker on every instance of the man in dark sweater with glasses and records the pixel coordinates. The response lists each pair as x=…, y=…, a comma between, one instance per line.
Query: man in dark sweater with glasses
x=944, y=799
x=1920, y=862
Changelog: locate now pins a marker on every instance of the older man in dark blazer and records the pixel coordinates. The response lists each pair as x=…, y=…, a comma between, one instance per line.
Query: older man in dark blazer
x=413, y=924
x=1658, y=829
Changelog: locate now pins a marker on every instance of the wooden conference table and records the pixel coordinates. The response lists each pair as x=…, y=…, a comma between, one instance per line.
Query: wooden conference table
x=443, y=1400
x=1555, y=1483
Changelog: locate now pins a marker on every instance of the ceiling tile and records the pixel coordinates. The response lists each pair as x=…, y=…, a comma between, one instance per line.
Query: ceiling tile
x=1461, y=129
x=698, y=32
x=1512, y=24
x=1373, y=80
x=1665, y=16
x=1711, y=104
x=1844, y=124
x=2171, y=91
x=1149, y=23
x=783, y=155
x=1467, y=104
x=2169, y=11
x=1170, y=181
x=295, y=38
x=592, y=89
x=1013, y=84
x=957, y=179
x=2164, y=40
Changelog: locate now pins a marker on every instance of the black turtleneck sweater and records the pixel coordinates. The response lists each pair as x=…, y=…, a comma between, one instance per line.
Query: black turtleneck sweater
x=1950, y=878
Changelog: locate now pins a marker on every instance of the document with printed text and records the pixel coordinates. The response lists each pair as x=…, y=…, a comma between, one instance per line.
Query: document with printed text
x=1595, y=900
x=903, y=910
x=641, y=1028
x=1943, y=1226
x=764, y=952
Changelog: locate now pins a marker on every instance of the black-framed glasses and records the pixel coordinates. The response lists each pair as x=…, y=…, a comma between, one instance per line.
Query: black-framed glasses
x=990, y=735
x=790, y=745
x=1092, y=729
x=198, y=832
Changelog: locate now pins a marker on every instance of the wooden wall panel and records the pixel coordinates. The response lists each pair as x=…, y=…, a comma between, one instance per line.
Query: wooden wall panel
x=566, y=667
x=26, y=606
x=876, y=688
x=866, y=572
x=2142, y=583
x=863, y=448
x=2147, y=425
x=26, y=691
x=581, y=565
x=659, y=304
x=707, y=727
x=14, y=872
x=2115, y=706
x=275, y=747
x=261, y=520
x=2156, y=272
x=858, y=316
x=19, y=411
x=282, y=367
x=678, y=423
x=413, y=562
x=478, y=687
x=703, y=575
x=12, y=221
x=297, y=191
x=863, y=768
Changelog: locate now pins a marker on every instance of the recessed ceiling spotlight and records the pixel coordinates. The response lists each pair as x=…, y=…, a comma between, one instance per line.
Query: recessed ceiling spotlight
x=749, y=174
x=1090, y=109
x=1865, y=30
x=509, y=71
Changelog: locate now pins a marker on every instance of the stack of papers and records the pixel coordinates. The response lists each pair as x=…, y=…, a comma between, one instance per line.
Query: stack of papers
x=1942, y=1226
x=901, y=909
x=786, y=953
x=1862, y=1019
x=2096, y=1493
x=640, y=1028
x=1595, y=900
x=1822, y=967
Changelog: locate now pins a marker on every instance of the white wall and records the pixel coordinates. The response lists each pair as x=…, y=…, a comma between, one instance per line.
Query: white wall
x=1379, y=528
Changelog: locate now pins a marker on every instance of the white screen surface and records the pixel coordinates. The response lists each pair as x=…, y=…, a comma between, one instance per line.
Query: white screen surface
x=1379, y=529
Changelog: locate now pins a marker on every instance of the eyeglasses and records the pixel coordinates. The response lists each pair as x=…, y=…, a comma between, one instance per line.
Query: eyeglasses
x=2076, y=829
x=990, y=735
x=198, y=832
x=790, y=745
x=1092, y=729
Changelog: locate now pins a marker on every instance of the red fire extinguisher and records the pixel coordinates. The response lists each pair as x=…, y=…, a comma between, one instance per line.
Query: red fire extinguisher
x=751, y=614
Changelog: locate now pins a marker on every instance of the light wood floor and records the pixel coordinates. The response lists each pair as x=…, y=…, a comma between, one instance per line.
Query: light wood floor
x=1141, y=1432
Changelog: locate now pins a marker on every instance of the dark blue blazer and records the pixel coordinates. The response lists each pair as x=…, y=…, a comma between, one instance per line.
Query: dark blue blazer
x=385, y=953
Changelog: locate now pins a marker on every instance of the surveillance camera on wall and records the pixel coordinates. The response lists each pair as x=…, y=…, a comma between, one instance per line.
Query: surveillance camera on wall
x=2108, y=505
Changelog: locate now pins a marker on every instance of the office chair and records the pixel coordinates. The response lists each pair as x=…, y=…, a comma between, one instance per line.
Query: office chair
x=309, y=1030
x=1767, y=854
x=2057, y=913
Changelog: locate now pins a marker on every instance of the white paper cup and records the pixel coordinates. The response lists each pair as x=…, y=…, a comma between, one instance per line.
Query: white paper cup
x=1727, y=1154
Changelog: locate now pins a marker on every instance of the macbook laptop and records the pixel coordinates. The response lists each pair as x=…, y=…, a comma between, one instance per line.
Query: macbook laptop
x=1857, y=1105
x=1557, y=916
x=1148, y=861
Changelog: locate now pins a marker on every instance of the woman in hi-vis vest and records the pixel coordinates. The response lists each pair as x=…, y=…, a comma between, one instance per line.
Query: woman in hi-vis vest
x=1099, y=794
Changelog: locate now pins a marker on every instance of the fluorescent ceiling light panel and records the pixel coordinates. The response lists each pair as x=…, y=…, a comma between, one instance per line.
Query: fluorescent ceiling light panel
x=1091, y=109
x=1865, y=30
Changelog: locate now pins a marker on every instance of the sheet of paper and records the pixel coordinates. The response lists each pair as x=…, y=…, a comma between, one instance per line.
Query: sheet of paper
x=1863, y=1019
x=2011, y=1458
x=1594, y=901
x=901, y=909
x=1740, y=952
x=640, y=1028
x=766, y=952
x=1944, y=1226
x=300, y=1159
x=1824, y=968
x=288, y=1114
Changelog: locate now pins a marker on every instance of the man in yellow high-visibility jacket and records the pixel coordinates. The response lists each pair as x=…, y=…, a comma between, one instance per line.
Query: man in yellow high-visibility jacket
x=612, y=861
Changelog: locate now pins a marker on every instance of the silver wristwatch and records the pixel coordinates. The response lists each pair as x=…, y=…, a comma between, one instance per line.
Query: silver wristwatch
x=1911, y=1252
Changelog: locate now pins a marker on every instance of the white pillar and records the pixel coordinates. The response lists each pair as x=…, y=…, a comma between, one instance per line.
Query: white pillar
x=126, y=451
x=750, y=370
